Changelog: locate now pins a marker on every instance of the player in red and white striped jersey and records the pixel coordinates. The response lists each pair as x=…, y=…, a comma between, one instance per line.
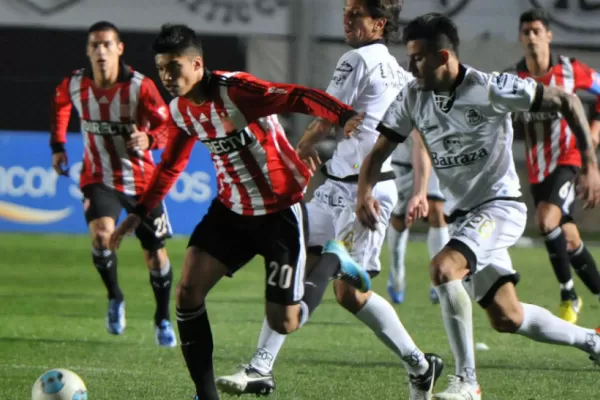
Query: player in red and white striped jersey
x=123, y=118
x=259, y=208
x=553, y=159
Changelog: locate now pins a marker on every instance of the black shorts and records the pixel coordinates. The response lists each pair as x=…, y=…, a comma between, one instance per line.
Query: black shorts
x=279, y=237
x=107, y=202
x=559, y=189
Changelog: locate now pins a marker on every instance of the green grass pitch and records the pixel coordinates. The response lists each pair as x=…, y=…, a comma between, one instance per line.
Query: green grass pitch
x=52, y=306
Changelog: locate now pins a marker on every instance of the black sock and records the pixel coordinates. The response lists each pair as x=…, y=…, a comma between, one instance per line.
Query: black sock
x=318, y=280
x=585, y=267
x=556, y=244
x=106, y=264
x=197, y=348
x=161, y=286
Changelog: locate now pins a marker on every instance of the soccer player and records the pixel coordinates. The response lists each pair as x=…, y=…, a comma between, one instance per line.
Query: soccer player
x=464, y=119
x=261, y=181
x=123, y=118
x=368, y=78
x=397, y=233
x=553, y=159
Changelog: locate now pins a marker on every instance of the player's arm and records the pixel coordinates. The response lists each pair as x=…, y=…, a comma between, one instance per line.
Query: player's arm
x=421, y=164
x=257, y=98
x=60, y=115
x=510, y=93
x=154, y=115
x=174, y=159
x=589, y=80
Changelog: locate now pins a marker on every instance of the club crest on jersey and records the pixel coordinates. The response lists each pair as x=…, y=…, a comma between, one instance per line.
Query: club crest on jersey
x=452, y=144
x=473, y=116
x=345, y=67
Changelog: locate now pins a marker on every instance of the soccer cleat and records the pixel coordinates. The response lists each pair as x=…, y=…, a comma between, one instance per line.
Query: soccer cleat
x=115, y=317
x=247, y=380
x=459, y=389
x=569, y=310
x=594, y=343
x=350, y=271
x=421, y=387
x=165, y=335
x=395, y=297
x=433, y=296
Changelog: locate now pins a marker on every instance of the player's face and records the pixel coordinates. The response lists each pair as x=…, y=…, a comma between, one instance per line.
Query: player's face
x=104, y=49
x=359, y=27
x=179, y=73
x=425, y=65
x=534, y=37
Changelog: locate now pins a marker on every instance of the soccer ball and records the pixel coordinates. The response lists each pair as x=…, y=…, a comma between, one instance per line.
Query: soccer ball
x=59, y=384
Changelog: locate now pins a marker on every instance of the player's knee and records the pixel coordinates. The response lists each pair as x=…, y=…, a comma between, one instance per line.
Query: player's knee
x=572, y=236
x=507, y=322
x=547, y=217
x=397, y=222
x=348, y=297
x=156, y=260
x=101, y=231
x=188, y=295
x=445, y=268
x=283, y=319
x=436, y=217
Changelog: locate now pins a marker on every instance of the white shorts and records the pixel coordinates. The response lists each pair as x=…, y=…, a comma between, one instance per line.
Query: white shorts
x=404, y=185
x=331, y=216
x=485, y=235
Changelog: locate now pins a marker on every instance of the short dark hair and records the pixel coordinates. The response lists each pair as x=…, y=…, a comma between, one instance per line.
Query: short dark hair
x=176, y=39
x=535, y=14
x=105, y=26
x=437, y=29
x=390, y=10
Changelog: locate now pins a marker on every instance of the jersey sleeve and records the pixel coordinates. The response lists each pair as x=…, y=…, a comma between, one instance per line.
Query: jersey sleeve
x=589, y=80
x=154, y=114
x=60, y=114
x=508, y=92
x=397, y=123
x=173, y=161
x=257, y=98
x=349, y=72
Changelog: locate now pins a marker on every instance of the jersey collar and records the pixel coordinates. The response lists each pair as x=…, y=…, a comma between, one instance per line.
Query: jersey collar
x=125, y=72
x=522, y=65
x=376, y=41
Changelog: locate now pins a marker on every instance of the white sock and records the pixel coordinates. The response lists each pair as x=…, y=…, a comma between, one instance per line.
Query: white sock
x=380, y=316
x=457, y=313
x=269, y=344
x=541, y=325
x=437, y=239
x=397, y=246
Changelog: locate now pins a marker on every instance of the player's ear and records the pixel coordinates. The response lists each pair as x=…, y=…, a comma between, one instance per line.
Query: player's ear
x=380, y=24
x=120, y=47
x=198, y=63
x=444, y=56
x=550, y=36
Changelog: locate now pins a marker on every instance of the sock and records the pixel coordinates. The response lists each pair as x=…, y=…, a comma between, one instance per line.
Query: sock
x=269, y=344
x=161, y=286
x=457, y=313
x=106, y=264
x=397, y=245
x=541, y=325
x=556, y=244
x=437, y=238
x=380, y=316
x=197, y=348
x=585, y=267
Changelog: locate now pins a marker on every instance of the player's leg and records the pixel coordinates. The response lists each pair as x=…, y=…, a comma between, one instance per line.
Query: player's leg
x=152, y=234
x=551, y=196
x=208, y=258
x=437, y=236
x=581, y=259
x=362, y=246
x=102, y=208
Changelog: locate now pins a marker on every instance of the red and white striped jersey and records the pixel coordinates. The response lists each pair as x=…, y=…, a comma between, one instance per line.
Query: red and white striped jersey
x=549, y=141
x=258, y=170
x=107, y=116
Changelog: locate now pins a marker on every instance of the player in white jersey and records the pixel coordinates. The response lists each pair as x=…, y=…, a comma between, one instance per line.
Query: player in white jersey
x=464, y=119
x=368, y=78
x=397, y=233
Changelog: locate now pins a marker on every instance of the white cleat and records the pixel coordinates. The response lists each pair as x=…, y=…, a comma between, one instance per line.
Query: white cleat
x=246, y=380
x=459, y=389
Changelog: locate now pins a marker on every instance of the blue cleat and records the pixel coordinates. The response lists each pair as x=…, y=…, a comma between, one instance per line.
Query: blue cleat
x=433, y=296
x=395, y=297
x=165, y=335
x=115, y=317
x=350, y=271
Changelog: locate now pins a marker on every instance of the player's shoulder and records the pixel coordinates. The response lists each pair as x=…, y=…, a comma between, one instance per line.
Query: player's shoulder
x=226, y=77
x=475, y=77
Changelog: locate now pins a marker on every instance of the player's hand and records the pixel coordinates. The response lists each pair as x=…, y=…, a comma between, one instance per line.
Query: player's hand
x=588, y=187
x=126, y=227
x=351, y=126
x=309, y=155
x=367, y=211
x=59, y=163
x=418, y=208
x=138, y=140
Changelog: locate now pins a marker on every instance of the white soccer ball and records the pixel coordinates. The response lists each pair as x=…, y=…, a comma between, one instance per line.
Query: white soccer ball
x=59, y=384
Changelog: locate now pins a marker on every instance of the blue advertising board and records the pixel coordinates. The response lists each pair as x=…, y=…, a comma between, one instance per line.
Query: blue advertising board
x=33, y=198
